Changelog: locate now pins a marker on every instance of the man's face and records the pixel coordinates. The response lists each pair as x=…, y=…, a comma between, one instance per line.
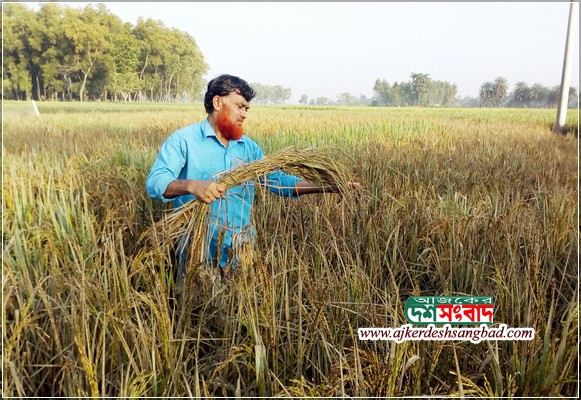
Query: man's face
x=231, y=115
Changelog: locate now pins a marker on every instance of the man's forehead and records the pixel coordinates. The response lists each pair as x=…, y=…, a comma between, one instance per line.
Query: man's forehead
x=237, y=97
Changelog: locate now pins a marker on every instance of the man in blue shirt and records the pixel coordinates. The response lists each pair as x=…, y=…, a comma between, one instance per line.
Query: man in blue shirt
x=192, y=156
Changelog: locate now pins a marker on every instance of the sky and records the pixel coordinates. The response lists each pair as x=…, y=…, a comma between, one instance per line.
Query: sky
x=327, y=48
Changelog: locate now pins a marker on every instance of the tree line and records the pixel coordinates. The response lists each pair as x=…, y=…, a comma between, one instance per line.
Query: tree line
x=66, y=53
x=270, y=94
x=421, y=90
x=495, y=94
x=342, y=99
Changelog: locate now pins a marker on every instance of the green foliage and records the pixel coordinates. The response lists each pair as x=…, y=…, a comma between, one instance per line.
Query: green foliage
x=492, y=93
x=347, y=99
x=20, y=48
x=66, y=53
x=420, y=84
x=521, y=94
x=381, y=92
x=434, y=93
x=441, y=93
x=500, y=89
x=487, y=95
x=125, y=77
x=270, y=94
x=495, y=94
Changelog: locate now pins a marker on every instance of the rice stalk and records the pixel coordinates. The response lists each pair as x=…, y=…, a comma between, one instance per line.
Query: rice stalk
x=314, y=165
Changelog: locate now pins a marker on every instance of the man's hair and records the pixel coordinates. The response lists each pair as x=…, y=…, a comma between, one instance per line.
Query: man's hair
x=223, y=86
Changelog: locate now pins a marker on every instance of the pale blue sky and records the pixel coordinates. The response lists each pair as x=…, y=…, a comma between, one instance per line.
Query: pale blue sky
x=323, y=49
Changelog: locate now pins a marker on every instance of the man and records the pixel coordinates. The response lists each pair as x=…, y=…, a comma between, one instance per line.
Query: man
x=192, y=156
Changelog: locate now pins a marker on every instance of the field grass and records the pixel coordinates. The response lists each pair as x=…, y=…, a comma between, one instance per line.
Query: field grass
x=455, y=202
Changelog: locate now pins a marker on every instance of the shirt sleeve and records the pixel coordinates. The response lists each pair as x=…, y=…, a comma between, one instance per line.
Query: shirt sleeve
x=167, y=167
x=277, y=181
x=281, y=184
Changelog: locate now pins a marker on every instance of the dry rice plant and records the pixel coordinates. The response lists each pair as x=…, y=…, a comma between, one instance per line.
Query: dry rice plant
x=314, y=165
x=457, y=202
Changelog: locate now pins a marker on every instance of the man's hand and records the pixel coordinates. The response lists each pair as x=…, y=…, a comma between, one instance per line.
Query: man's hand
x=353, y=185
x=349, y=186
x=207, y=191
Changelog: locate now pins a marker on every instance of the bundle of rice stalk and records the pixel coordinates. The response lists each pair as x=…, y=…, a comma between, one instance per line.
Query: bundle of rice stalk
x=314, y=165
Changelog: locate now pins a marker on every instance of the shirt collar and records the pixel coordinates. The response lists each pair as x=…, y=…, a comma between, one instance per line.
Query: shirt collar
x=207, y=131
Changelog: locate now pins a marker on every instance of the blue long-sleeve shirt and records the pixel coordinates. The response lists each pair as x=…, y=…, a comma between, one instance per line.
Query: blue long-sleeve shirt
x=195, y=152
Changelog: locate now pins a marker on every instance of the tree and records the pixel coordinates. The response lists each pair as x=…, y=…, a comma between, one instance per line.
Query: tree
x=573, y=97
x=171, y=65
x=125, y=77
x=420, y=83
x=22, y=47
x=397, y=94
x=89, y=39
x=52, y=80
x=440, y=93
x=322, y=101
x=363, y=100
x=267, y=94
x=553, y=96
x=184, y=66
x=409, y=94
x=467, y=101
x=500, y=89
x=281, y=94
x=521, y=94
x=150, y=34
x=381, y=95
x=487, y=95
x=347, y=99
x=450, y=92
x=538, y=95
x=87, y=53
x=400, y=94
x=304, y=99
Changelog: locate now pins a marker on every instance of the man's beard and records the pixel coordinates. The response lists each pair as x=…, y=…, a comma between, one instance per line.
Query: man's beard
x=230, y=130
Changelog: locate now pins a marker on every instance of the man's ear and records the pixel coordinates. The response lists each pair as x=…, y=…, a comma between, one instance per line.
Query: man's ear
x=217, y=102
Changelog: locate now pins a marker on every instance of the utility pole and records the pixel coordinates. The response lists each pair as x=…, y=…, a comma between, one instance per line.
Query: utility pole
x=567, y=66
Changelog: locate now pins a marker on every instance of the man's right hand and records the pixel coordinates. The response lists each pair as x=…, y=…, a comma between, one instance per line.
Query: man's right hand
x=207, y=191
